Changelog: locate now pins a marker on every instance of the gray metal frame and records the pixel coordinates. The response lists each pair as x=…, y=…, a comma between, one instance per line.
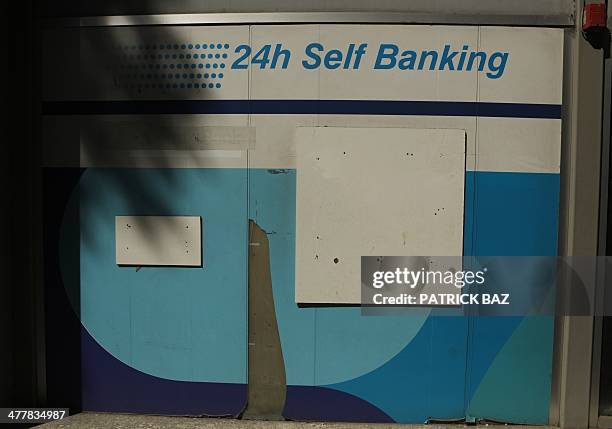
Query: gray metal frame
x=313, y=17
x=554, y=416
x=594, y=416
x=579, y=226
x=595, y=419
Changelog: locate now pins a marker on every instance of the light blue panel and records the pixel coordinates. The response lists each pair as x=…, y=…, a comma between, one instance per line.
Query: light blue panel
x=161, y=338
x=272, y=207
x=178, y=323
x=349, y=345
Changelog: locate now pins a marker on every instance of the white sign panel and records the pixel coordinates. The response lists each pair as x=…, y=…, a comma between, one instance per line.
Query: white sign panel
x=158, y=240
x=373, y=192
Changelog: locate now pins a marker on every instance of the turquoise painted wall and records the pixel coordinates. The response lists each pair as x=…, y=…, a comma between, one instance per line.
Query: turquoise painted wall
x=190, y=324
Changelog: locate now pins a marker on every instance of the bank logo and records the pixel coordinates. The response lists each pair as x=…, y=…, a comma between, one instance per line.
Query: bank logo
x=172, y=66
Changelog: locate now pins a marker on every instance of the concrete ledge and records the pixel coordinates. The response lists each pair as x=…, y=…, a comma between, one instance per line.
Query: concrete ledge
x=121, y=421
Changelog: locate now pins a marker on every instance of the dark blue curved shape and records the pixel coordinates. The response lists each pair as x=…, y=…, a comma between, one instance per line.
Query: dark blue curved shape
x=314, y=403
x=110, y=385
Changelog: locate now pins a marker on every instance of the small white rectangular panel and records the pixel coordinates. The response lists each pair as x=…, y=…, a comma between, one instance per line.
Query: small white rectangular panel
x=158, y=240
x=373, y=192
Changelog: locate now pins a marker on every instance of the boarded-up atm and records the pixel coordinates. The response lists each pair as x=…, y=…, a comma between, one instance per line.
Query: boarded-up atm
x=337, y=141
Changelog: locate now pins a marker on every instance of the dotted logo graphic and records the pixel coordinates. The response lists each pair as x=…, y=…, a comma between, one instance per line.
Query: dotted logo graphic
x=172, y=66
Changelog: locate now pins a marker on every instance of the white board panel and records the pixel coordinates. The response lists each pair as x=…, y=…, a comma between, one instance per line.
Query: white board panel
x=521, y=145
x=534, y=69
x=158, y=240
x=373, y=192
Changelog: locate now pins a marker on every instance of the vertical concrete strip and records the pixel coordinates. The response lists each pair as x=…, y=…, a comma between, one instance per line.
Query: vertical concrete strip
x=267, y=383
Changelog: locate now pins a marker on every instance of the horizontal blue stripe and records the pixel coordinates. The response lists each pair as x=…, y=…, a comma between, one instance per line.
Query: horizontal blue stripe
x=299, y=107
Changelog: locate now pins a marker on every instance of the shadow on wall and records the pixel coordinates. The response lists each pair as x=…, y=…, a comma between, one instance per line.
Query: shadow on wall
x=128, y=65
x=122, y=69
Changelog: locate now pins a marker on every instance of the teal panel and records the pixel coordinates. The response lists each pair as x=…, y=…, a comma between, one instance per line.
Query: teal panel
x=513, y=214
x=426, y=380
x=516, y=386
x=414, y=368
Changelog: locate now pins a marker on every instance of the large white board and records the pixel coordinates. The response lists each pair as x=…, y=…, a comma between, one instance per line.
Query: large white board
x=373, y=192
